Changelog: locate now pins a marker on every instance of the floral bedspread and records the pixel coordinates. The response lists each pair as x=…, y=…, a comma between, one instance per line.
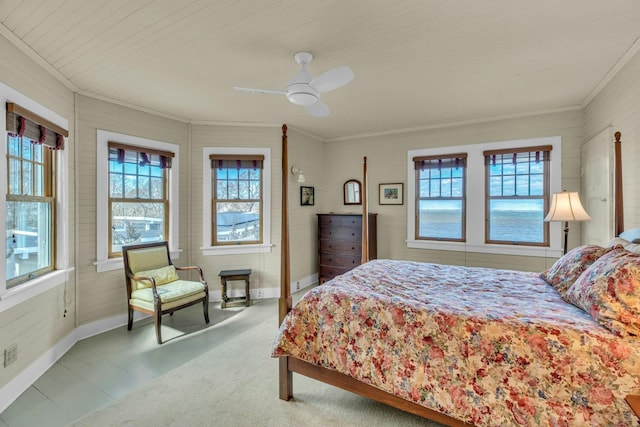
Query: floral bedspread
x=488, y=347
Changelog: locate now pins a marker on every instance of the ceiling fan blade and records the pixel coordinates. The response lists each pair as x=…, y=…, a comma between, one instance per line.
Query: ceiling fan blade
x=268, y=91
x=318, y=109
x=332, y=79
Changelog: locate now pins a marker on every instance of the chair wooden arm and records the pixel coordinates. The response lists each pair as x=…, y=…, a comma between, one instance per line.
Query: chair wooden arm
x=194, y=267
x=154, y=289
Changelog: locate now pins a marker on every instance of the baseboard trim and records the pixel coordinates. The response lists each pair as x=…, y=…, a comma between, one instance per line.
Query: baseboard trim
x=21, y=382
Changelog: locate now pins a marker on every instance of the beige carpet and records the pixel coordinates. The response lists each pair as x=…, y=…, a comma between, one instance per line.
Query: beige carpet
x=236, y=384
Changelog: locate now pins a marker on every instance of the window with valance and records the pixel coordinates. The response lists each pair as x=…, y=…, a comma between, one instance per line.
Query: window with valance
x=138, y=195
x=31, y=143
x=237, y=204
x=440, y=197
x=517, y=197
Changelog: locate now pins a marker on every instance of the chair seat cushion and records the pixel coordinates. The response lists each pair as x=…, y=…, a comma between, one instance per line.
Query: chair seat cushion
x=176, y=291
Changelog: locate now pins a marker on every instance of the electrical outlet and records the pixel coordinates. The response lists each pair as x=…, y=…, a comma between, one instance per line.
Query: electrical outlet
x=259, y=293
x=10, y=354
x=297, y=286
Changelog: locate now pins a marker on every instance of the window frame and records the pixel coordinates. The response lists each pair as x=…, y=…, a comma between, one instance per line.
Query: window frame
x=475, y=202
x=165, y=192
x=545, y=158
x=214, y=200
x=10, y=297
x=103, y=263
x=457, y=157
x=49, y=197
x=207, y=202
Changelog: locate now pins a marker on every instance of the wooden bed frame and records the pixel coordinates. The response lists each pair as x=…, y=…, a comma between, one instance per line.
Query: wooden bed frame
x=288, y=365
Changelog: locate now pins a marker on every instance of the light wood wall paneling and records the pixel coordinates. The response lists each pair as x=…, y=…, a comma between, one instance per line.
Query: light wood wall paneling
x=38, y=323
x=101, y=295
x=618, y=105
x=387, y=159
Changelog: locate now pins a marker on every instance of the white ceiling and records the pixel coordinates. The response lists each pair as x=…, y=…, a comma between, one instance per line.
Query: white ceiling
x=417, y=63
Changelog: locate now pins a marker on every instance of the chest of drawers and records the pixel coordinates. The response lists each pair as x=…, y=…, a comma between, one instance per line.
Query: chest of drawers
x=340, y=243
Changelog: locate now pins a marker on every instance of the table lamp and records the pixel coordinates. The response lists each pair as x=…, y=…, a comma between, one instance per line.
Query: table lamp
x=566, y=207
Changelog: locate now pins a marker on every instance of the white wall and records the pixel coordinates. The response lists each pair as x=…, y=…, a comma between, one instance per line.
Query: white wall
x=618, y=106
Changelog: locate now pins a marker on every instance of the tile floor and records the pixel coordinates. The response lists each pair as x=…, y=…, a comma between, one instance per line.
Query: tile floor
x=106, y=367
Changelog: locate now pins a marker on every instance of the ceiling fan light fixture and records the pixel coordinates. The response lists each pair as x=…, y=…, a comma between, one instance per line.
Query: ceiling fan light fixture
x=302, y=94
x=302, y=98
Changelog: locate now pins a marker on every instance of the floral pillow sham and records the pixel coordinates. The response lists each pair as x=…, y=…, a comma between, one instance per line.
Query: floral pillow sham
x=564, y=272
x=609, y=290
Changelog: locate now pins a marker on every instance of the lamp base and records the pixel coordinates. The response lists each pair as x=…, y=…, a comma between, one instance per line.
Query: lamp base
x=566, y=235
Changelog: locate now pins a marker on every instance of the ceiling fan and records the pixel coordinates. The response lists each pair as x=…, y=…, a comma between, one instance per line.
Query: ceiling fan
x=305, y=90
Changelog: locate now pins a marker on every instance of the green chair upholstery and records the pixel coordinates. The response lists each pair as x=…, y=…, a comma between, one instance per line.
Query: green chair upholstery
x=153, y=284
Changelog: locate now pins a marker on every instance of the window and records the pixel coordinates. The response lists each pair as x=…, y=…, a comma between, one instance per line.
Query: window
x=145, y=198
x=440, y=198
x=517, y=197
x=237, y=199
x=138, y=196
x=470, y=204
x=31, y=146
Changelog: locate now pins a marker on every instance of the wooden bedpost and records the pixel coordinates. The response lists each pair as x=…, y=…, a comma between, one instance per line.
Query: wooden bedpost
x=284, y=303
x=285, y=290
x=618, y=207
x=365, y=214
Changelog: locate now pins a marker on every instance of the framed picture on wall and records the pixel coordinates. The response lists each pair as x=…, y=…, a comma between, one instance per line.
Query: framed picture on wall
x=391, y=194
x=306, y=196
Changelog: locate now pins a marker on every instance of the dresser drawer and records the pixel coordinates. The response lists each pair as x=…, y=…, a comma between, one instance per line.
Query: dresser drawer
x=327, y=272
x=338, y=260
x=340, y=246
x=339, y=221
x=345, y=233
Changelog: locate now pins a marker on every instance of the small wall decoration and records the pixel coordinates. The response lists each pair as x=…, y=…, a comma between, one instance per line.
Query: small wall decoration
x=306, y=196
x=391, y=194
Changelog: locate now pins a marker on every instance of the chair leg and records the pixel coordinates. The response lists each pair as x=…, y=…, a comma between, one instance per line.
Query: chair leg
x=130, y=323
x=158, y=324
x=205, y=308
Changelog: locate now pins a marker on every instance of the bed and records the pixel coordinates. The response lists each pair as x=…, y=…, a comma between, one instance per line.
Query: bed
x=430, y=339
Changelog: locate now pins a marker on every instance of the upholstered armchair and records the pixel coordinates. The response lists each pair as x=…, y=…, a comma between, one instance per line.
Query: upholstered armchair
x=153, y=284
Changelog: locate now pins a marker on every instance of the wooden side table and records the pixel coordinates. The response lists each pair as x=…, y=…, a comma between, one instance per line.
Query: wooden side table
x=230, y=275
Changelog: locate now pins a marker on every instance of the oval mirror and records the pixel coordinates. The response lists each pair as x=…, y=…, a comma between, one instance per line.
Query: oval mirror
x=352, y=192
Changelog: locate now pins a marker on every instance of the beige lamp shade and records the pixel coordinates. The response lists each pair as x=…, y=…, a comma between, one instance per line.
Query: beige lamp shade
x=566, y=206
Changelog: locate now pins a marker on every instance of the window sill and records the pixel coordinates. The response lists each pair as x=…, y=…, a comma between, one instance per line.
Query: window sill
x=237, y=249
x=25, y=291
x=519, y=250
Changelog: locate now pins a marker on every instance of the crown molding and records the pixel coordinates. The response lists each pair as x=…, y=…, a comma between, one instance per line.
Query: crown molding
x=132, y=106
x=630, y=53
x=27, y=50
x=455, y=124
